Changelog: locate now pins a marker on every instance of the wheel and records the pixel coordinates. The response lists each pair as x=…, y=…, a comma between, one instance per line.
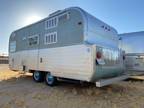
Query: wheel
x=38, y=76
x=50, y=80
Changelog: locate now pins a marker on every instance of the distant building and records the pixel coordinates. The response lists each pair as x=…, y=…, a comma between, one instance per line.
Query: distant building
x=3, y=59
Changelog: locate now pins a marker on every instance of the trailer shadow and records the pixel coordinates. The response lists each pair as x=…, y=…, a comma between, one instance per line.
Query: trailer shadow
x=23, y=86
x=17, y=88
x=90, y=89
x=75, y=88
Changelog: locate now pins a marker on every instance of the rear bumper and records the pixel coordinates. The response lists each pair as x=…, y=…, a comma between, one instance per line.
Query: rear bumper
x=105, y=82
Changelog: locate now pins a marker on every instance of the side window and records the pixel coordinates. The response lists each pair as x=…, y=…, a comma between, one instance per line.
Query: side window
x=33, y=40
x=50, y=38
x=63, y=17
x=51, y=23
x=13, y=46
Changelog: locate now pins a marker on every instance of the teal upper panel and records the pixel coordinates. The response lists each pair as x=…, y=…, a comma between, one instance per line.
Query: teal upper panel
x=80, y=27
x=70, y=31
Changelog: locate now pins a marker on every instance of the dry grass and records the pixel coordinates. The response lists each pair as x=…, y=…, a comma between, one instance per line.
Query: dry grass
x=19, y=91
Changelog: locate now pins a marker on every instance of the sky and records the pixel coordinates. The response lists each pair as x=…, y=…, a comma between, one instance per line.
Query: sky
x=124, y=15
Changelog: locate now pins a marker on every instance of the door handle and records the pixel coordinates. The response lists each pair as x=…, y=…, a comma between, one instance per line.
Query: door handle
x=41, y=60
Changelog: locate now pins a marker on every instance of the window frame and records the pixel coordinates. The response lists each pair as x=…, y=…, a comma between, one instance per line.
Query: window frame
x=12, y=46
x=50, y=36
x=33, y=36
x=51, y=23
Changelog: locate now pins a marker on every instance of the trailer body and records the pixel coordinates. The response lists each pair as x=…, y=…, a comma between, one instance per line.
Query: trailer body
x=132, y=44
x=69, y=43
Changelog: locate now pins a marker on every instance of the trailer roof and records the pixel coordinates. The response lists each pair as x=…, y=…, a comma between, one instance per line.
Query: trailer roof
x=59, y=12
x=131, y=33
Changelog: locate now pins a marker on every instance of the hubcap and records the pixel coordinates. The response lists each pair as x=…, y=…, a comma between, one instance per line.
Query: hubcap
x=36, y=75
x=49, y=79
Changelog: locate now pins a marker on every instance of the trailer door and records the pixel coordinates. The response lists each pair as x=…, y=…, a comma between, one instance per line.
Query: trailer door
x=32, y=52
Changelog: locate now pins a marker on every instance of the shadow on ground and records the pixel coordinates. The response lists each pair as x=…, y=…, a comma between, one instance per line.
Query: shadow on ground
x=20, y=91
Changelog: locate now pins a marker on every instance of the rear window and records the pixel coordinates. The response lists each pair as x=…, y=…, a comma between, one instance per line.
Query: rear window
x=13, y=46
x=110, y=56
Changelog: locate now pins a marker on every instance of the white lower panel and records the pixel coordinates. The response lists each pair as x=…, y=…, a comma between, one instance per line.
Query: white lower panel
x=75, y=62
x=28, y=58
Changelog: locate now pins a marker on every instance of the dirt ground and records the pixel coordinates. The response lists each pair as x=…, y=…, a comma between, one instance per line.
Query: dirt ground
x=20, y=91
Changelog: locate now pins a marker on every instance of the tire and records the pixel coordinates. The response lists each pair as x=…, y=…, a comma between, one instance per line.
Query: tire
x=38, y=76
x=50, y=80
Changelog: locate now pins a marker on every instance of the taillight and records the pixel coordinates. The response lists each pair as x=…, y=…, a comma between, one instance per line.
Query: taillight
x=99, y=55
x=99, y=58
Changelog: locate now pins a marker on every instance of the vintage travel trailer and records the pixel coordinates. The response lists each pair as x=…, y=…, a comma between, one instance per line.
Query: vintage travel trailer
x=69, y=44
x=132, y=44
